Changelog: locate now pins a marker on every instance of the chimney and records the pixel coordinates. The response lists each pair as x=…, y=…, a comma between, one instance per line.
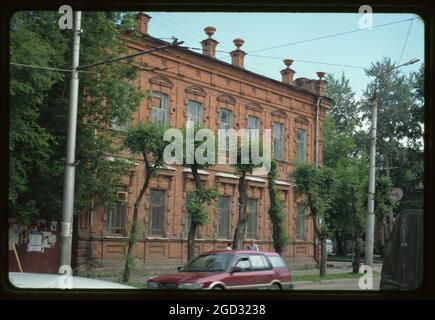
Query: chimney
x=238, y=56
x=209, y=44
x=320, y=84
x=287, y=73
x=142, y=22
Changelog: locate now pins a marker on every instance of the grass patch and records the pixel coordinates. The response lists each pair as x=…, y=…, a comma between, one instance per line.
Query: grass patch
x=335, y=276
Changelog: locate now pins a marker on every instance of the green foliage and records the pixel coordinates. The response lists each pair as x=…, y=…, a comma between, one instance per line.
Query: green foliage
x=147, y=139
x=350, y=186
x=39, y=107
x=202, y=195
x=344, y=109
x=196, y=207
x=400, y=127
x=244, y=168
x=338, y=144
x=276, y=212
x=316, y=186
x=384, y=203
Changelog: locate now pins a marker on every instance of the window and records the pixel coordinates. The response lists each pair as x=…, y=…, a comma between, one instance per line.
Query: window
x=277, y=262
x=159, y=113
x=300, y=222
x=156, y=212
x=116, y=124
x=258, y=263
x=115, y=217
x=210, y=262
x=244, y=265
x=195, y=112
x=254, y=123
x=225, y=122
x=224, y=215
x=189, y=198
x=301, y=145
x=278, y=140
x=251, y=224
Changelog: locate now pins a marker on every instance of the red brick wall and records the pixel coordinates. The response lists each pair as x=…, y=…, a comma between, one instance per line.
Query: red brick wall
x=189, y=76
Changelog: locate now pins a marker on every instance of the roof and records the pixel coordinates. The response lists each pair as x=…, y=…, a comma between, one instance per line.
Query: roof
x=242, y=70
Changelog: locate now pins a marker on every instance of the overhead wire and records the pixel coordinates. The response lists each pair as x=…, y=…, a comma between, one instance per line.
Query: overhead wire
x=330, y=36
x=406, y=40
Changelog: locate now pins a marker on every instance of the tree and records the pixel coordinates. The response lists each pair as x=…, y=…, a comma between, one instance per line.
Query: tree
x=344, y=110
x=147, y=140
x=276, y=212
x=348, y=211
x=384, y=203
x=39, y=105
x=242, y=169
x=202, y=196
x=316, y=187
x=341, y=131
x=400, y=127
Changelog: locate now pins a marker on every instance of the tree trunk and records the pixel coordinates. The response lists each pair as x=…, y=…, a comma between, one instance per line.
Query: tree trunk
x=340, y=244
x=239, y=233
x=356, y=232
x=357, y=257
x=132, y=236
x=322, y=237
x=323, y=257
x=191, y=241
x=192, y=230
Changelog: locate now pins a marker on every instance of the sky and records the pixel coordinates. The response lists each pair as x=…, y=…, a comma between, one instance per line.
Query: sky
x=354, y=50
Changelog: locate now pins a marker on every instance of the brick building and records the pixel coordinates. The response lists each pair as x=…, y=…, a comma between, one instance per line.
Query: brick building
x=187, y=84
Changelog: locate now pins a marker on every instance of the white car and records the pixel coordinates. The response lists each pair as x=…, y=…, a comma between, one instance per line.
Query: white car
x=26, y=280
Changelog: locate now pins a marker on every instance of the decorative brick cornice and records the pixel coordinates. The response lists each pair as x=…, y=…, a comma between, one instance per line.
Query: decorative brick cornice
x=162, y=81
x=302, y=120
x=196, y=90
x=279, y=114
x=254, y=106
x=226, y=98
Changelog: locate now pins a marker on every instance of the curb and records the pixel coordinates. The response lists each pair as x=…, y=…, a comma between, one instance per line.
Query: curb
x=329, y=281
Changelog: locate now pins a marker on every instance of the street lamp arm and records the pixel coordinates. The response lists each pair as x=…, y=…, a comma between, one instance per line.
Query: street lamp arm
x=176, y=43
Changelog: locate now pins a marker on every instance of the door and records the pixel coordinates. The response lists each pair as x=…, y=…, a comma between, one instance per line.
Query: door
x=243, y=277
x=262, y=271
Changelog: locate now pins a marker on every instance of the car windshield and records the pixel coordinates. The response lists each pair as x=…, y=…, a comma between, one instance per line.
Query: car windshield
x=210, y=263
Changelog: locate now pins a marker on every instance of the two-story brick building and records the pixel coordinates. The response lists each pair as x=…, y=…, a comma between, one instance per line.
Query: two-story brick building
x=191, y=85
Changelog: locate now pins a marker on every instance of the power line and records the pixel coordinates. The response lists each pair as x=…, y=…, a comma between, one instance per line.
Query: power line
x=329, y=36
x=309, y=61
x=38, y=67
x=45, y=68
x=295, y=59
x=169, y=19
x=406, y=40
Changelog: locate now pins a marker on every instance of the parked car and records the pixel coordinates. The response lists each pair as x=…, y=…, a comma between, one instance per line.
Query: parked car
x=229, y=269
x=27, y=280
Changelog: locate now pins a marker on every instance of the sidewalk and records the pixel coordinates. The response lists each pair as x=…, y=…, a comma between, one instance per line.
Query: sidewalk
x=334, y=267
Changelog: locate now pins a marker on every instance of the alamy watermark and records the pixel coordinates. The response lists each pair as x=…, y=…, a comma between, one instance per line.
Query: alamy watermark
x=233, y=147
x=366, y=19
x=366, y=281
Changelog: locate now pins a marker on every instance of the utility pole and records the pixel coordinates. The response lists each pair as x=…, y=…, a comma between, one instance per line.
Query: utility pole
x=370, y=232
x=70, y=162
x=368, y=258
x=69, y=177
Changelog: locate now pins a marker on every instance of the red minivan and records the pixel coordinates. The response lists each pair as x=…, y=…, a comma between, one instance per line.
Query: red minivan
x=229, y=269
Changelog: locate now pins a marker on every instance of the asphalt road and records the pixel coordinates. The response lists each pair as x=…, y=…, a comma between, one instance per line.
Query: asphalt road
x=346, y=284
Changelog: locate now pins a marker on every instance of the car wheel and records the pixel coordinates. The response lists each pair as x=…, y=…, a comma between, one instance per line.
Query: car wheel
x=275, y=286
x=217, y=288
